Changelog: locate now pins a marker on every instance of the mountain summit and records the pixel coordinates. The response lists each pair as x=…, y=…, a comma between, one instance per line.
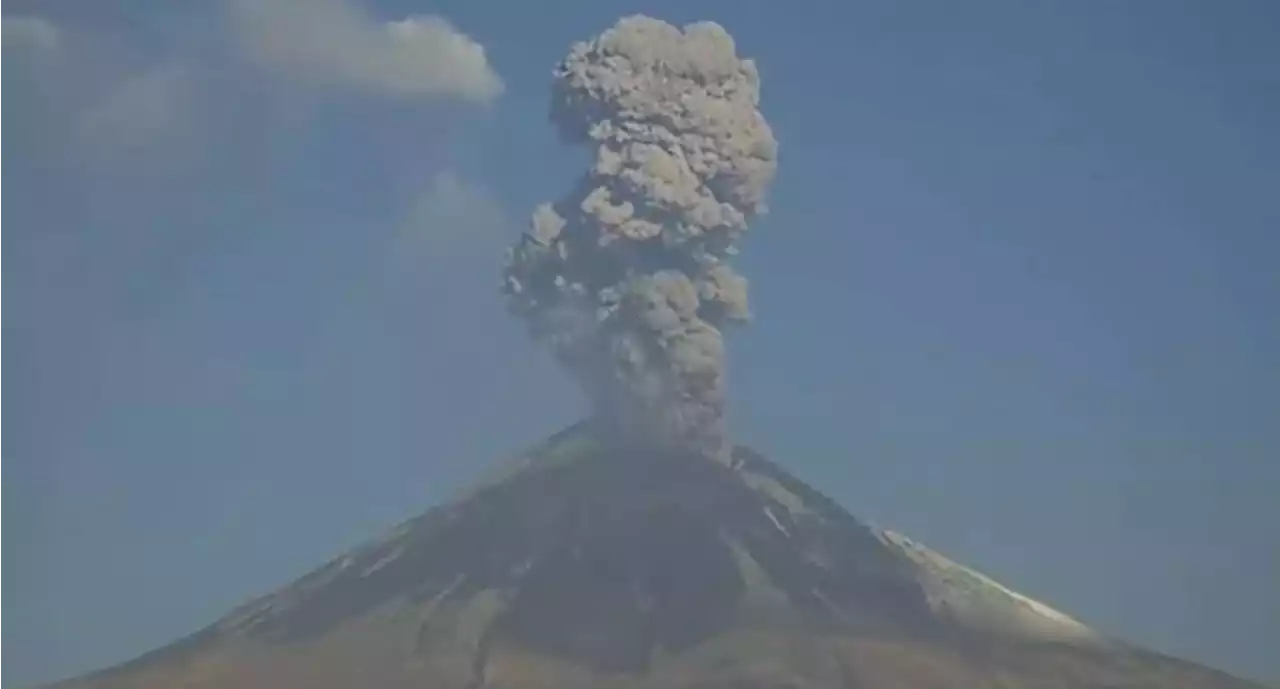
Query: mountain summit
x=585, y=565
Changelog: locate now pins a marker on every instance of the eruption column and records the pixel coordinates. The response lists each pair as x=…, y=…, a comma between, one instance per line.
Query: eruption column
x=627, y=278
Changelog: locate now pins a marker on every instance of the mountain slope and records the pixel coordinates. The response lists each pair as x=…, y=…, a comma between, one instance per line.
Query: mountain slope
x=582, y=566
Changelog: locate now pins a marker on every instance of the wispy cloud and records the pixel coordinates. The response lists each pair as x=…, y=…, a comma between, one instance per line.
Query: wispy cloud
x=27, y=35
x=90, y=89
x=130, y=141
x=335, y=43
x=455, y=228
x=142, y=111
x=451, y=209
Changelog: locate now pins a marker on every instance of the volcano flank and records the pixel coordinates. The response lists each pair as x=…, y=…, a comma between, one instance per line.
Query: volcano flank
x=582, y=564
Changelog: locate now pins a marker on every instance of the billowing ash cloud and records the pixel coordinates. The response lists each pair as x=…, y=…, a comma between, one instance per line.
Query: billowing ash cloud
x=627, y=277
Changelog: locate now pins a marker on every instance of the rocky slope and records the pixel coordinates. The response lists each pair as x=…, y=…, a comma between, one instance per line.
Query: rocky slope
x=581, y=566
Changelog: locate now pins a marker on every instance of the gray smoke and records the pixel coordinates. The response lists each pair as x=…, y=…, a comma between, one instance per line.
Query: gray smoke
x=626, y=278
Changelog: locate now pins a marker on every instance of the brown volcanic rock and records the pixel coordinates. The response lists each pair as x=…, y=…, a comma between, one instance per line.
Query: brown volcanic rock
x=582, y=566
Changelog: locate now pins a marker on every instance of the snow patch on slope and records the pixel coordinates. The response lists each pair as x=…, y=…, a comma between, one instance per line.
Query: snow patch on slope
x=979, y=602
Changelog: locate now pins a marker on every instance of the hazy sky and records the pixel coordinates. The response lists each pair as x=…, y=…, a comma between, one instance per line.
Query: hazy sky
x=1017, y=295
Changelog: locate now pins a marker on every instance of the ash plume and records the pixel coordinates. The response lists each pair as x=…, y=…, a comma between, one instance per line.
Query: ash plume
x=626, y=278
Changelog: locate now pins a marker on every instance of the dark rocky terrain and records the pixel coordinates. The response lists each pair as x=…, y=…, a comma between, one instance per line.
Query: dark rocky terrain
x=581, y=566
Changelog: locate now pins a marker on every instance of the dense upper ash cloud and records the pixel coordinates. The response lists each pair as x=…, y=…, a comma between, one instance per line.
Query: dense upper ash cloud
x=627, y=277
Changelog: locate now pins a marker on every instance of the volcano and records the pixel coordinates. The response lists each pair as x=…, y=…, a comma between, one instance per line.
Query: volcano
x=581, y=564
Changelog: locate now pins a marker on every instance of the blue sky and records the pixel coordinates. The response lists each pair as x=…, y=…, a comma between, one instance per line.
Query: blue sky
x=1016, y=296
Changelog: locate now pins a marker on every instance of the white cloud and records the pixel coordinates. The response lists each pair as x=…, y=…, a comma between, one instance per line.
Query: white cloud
x=136, y=129
x=87, y=90
x=31, y=34
x=335, y=43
